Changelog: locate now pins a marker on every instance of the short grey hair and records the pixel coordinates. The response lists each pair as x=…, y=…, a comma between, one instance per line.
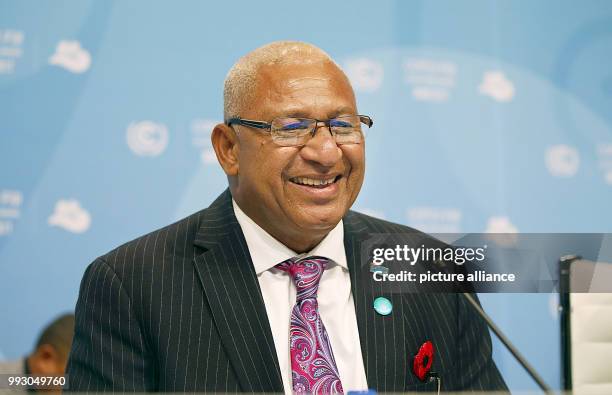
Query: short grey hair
x=241, y=80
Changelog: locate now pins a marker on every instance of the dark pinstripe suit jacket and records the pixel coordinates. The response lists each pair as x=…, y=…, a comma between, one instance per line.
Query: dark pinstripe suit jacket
x=180, y=309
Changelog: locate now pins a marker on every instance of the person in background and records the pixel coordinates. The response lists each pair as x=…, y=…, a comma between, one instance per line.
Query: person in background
x=50, y=355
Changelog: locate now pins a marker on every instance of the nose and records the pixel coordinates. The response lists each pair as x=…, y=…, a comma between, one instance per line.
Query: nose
x=322, y=148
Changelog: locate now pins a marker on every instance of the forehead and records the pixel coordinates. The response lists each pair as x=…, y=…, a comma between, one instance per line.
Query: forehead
x=314, y=90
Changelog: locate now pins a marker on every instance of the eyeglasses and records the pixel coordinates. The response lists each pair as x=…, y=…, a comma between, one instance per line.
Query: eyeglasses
x=295, y=132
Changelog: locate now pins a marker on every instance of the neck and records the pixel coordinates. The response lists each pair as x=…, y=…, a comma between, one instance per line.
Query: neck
x=299, y=245
x=298, y=240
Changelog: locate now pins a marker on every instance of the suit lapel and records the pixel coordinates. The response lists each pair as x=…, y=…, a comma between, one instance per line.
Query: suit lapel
x=232, y=290
x=383, y=338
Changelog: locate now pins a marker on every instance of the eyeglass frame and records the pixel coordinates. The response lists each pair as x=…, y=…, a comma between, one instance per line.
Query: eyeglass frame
x=367, y=120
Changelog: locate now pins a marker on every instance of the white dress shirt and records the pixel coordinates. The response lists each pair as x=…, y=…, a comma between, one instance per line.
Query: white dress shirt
x=335, y=299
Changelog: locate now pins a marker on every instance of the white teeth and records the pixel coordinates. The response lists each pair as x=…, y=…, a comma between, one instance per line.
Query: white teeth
x=312, y=181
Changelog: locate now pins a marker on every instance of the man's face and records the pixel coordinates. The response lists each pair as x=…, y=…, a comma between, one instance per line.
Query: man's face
x=271, y=178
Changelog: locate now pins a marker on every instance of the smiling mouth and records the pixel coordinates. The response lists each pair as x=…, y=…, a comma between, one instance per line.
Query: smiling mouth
x=319, y=183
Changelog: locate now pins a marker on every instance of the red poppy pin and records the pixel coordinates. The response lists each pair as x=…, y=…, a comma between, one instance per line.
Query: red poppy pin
x=423, y=360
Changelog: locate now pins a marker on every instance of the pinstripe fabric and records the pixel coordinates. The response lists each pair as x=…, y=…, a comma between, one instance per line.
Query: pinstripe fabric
x=180, y=309
x=388, y=343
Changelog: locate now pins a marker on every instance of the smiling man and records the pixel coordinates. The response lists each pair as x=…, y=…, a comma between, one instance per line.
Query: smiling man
x=263, y=291
x=289, y=174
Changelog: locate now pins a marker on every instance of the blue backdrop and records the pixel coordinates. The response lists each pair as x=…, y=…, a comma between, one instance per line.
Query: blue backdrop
x=489, y=116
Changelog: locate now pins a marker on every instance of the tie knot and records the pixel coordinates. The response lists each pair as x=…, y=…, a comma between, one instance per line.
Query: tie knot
x=305, y=273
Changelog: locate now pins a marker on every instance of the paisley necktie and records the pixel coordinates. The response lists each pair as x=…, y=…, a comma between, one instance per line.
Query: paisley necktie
x=313, y=367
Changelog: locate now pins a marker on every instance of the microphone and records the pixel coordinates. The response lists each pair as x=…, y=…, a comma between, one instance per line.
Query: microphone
x=508, y=344
x=498, y=332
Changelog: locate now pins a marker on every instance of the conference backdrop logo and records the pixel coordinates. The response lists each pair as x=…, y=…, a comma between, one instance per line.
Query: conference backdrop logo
x=147, y=138
x=70, y=56
x=70, y=216
x=503, y=232
x=365, y=74
x=430, y=80
x=201, y=130
x=11, y=49
x=562, y=160
x=435, y=219
x=10, y=210
x=497, y=86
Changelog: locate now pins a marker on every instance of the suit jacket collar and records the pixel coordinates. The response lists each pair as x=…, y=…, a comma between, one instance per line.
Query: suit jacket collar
x=234, y=297
x=266, y=251
x=386, y=357
x=232, y=290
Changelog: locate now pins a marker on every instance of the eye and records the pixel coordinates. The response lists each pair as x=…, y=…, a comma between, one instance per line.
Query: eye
x=345, y=123
x=339, y=123
x=289, y=124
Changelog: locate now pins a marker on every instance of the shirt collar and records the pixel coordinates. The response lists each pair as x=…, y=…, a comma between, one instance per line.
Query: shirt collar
x=267, y=252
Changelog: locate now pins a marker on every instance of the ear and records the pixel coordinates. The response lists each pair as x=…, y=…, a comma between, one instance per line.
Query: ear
x=46, y=360
x=225, y=143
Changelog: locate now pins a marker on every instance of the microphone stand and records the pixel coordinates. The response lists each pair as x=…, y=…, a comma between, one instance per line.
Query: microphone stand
x=500, y=335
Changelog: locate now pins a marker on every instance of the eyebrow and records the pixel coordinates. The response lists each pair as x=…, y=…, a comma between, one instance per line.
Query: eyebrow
x=302, y=114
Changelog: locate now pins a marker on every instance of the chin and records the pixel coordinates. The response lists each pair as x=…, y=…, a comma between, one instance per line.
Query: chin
x=321, y=218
